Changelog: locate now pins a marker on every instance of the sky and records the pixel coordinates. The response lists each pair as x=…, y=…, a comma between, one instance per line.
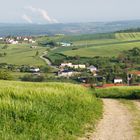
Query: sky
x=66, y=11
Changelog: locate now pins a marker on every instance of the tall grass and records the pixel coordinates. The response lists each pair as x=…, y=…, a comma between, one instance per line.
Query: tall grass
x=119, y=92
x=42, y=111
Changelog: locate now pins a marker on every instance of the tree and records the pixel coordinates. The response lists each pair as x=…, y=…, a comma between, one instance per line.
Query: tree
x=37, y=53
x=5, y=75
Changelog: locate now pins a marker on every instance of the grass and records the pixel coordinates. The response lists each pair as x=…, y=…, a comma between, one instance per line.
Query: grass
x=22, y=54
x=128, y=36
x=95, y=45
x=135, y=116
x=103, y=50
x=119, y=92
x=43, y=111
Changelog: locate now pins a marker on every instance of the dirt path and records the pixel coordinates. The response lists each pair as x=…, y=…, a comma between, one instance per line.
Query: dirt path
x=115, y=124
x=47, y=61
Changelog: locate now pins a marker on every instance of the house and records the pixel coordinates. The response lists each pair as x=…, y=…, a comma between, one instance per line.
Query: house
x=92, y=68
x=33, y=47
x=32, y=41
x=70, y=65
x=66, y=65
x=137, y=73
x=79, y=66
x=14, y=42
x=34, y=70
x=25, y=39
x=67, y=73
x=63, y=44
x=118, y=81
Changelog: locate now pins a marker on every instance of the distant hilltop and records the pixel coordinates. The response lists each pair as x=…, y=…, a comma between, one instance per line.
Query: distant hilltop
x=66, y=28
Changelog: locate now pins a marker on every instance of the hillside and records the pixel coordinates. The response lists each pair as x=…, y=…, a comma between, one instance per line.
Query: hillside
x=21, y=54
x=46, y=110
x=107, y=45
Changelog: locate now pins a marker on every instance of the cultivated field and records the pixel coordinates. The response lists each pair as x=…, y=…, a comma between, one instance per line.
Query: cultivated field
x=46, y=111
x=21, y=54
x=107, y=45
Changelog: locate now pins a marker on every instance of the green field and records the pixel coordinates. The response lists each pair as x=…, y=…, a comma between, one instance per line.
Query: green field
x=119, y=92
x=108, y=45
x=41, y=111
x=103, y=50
x=128, y=36
x=21, y=54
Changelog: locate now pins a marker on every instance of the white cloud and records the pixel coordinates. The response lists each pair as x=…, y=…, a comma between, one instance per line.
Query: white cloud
x=27, y=18
x=43, y=13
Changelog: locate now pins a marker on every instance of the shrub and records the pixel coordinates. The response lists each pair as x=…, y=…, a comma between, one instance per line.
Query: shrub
x=33, y=78
x=5, y=75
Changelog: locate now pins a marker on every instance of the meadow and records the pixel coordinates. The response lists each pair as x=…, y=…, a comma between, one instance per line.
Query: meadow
x=46, y=111
x=21, y=54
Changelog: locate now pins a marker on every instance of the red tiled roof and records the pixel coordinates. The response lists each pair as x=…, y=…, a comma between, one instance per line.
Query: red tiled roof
x=135, y=72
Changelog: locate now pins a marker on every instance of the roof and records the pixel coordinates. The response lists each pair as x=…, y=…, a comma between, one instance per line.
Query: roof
x=92, y=67
x=67, y=71
x=135, y=72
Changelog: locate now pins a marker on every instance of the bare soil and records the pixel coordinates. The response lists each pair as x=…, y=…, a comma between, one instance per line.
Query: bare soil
x=116, y=123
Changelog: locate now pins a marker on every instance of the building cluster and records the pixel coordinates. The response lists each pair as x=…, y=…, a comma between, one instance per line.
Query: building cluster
x=69, y=69
x=17, y=40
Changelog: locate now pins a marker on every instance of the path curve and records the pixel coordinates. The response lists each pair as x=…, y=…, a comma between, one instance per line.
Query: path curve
x=47, y=61
x=116, y=123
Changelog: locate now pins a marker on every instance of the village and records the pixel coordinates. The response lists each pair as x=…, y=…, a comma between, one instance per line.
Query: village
x=87, y=74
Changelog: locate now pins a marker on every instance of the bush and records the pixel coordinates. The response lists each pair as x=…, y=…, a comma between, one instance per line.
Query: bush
x=5, y=75
x=33, y=78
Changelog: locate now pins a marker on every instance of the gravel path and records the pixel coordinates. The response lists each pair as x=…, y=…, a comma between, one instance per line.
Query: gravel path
x=116, y=123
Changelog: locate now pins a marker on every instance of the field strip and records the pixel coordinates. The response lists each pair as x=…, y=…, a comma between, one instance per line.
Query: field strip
x=116, y=123
x=111, y=43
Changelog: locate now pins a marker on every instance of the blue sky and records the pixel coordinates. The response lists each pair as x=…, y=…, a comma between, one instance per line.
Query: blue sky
x=61, y=11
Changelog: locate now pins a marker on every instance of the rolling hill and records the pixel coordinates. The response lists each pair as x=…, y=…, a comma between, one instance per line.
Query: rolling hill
x=107, y=45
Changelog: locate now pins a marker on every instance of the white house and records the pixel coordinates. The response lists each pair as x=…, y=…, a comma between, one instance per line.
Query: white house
x=67, y=73
x=25, y=39
x=118, y=81
x=66, y=65
x=92, y=68
x=32, y=41
x=63, y=44
x=73, y=66
x=33, y=47
x=34, y=70
x=12, y=41
x=79, y=66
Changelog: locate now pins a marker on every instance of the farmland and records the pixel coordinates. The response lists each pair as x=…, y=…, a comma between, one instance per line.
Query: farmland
x=107, y=45
x=21, y=54
x=46, y=110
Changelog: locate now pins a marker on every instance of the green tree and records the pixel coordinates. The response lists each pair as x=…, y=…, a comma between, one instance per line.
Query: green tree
x=37, y=53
